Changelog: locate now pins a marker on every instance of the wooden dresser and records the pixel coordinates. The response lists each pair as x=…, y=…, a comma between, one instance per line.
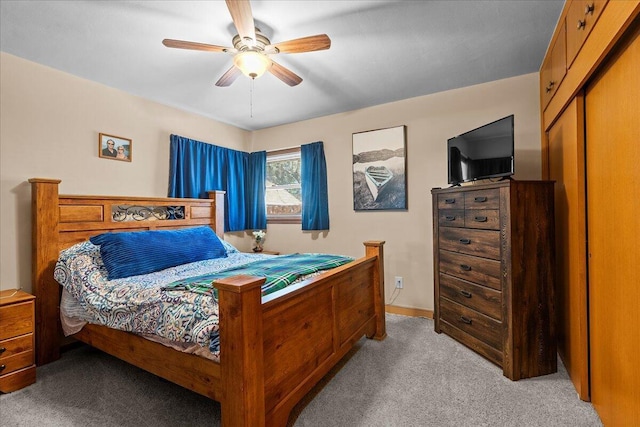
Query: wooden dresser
x=17, y=355
x=493, y=272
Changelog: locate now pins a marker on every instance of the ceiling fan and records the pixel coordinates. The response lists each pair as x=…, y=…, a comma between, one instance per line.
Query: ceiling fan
x=252, y=50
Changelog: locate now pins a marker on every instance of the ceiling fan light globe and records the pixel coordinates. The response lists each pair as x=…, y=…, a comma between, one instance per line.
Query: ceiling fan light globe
x=252, y=64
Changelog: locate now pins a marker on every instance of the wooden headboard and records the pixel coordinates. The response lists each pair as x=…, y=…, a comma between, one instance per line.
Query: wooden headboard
x=60, y=221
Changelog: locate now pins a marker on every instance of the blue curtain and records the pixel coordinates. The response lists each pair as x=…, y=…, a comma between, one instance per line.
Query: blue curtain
x=315, y=199
x=196, y=167
x=256, y=189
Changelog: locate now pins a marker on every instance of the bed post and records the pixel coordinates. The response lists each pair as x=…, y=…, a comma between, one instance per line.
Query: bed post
x=44, y=253
x=241, y=351
x=218, y=202
x=375, y=248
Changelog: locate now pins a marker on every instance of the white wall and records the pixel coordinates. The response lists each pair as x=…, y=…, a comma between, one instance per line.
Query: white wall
x=50, y=123
x=430, y=121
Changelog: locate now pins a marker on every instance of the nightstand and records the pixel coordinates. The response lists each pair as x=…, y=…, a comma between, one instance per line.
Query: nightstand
x=17, y=340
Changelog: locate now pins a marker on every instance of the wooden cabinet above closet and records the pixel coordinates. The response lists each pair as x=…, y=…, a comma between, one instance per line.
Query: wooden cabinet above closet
x=554, y=67
x=581, y=18
x=575, y=25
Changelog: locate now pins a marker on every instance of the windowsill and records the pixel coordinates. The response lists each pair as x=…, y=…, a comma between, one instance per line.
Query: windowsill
x=284, y=220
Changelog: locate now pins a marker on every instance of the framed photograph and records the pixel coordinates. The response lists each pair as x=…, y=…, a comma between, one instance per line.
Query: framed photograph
x=379, y=169
x=114, y=147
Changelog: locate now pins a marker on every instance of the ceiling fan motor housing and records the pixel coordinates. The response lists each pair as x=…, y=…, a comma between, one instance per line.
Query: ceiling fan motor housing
x=259, y=45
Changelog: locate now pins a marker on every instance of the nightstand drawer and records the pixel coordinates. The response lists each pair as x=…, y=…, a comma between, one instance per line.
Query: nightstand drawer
x=16, y=345
x=15, y=362
x=473, y=269
x=16, y=319
x=18, y=379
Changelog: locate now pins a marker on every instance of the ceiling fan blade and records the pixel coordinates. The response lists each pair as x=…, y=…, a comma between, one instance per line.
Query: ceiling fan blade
x=240, y=11
x=181, y=44
x=284, y=74
x=229, y=77
x=304, y=44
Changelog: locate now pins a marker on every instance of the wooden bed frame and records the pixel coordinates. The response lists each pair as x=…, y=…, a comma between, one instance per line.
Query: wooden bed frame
x=273, y=350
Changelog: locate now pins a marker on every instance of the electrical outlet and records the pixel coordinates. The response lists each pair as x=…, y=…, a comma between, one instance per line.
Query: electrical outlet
x=399, y=282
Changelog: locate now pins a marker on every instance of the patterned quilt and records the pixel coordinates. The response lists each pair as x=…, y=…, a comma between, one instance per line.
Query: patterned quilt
x=172, y=303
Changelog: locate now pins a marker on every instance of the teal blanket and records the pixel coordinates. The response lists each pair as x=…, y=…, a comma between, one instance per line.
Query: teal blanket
x=280, y=272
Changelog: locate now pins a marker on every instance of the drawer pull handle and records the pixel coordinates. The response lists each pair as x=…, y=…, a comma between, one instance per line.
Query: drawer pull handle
x=589, y=9
x=581, y=24
x=450, y=201
x=481, y=218
x=2, y=367
x=480, y=199
x=2, y=350
x=465, y=294
x=465, y=267
x=465, y=241
x=465, y=320
x=450, y=218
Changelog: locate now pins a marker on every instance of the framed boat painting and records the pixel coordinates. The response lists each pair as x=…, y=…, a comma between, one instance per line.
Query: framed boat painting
x=379, y=169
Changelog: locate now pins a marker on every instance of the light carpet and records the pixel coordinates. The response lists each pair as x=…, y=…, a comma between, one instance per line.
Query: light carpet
x=414, y=377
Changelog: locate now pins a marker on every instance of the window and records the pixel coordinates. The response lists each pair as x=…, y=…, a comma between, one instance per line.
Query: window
x=283, y=192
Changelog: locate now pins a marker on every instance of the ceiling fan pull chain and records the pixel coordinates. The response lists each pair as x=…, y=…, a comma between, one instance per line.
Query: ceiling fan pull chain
x=251, y=97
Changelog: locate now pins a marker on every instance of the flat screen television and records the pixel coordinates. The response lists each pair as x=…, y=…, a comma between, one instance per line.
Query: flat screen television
x=482, y=153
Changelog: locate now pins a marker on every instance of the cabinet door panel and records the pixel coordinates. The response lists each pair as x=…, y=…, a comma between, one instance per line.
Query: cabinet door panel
x=613, y=202
x=581, y=17
x=554, y=68
x=566, y=167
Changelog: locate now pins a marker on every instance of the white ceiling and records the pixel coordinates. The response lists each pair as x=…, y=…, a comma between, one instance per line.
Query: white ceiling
x=382, y=51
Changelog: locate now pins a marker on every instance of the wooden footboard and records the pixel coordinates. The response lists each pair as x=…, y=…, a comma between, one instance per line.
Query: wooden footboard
x=305, y=330
x=274, y=349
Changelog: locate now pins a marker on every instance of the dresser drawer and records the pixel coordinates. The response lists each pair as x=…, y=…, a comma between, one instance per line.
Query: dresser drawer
x=483, y=243
x=15, y=345
x=451, y=217
x=451, y=201
x=485, y=300
x=482, y=199
x=470, y=268
x=16, y=319
x=470, y=321
x=488, y=219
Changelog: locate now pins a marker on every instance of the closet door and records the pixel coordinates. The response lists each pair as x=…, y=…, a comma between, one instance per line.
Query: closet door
x=566, y=167
x=612, y=108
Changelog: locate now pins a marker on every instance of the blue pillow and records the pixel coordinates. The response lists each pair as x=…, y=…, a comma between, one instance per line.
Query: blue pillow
x=140, y=252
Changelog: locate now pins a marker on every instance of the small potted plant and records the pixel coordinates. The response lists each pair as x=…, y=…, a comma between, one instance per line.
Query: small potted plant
x=258, y=237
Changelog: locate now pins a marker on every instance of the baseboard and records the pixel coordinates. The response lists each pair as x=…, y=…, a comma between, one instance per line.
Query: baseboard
x=407, y=311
